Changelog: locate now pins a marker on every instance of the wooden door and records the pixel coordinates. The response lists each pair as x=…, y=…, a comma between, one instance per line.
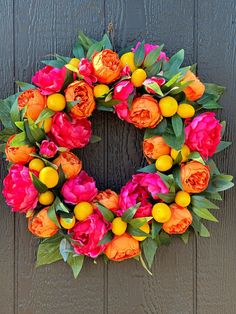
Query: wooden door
x=197, y=278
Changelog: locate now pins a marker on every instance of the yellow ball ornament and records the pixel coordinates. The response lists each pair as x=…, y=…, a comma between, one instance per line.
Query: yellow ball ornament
x=49, y=177
x=67, y=223
x=186, y=111
x=118, y=226
x=128, y=59
x=185, y=151
x=138, y=77
x=161, y=212
x=164, y=163
x=56, y=102
x=83, y=210
x=74, y=62
x=46, y=198
x=168, y=106
x=46, y=124
x=182, y=199
x=36, y=164
x=100, y=90
x=145, y=228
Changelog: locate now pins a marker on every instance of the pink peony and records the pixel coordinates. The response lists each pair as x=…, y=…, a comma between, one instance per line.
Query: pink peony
x=122, y=90
x=48, y=149
x=86, y=69
x=203, y=134
x=50, y=80
x=88, y=233
x=70, y=134
x=150, y=47
x=80, y=188
x=19, y=190
x=122, y=111
x=158, y=80
x=140, y=189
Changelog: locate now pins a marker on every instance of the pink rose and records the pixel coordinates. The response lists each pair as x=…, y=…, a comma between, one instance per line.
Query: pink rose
x=150, y=47
x=86, y=69
x=88, y=233
x=50, y=80
x=125, y=71
x=80, y=188
x=19, y=190
x=70, y=133
x=158, y=80
x=48, y=149
x=140, y=189
x=122, y=90
x=203, y=134
x=122, y=111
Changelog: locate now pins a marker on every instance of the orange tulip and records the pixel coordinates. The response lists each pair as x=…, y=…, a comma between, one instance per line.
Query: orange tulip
x=106, y=66
x=109, y=199
x=180, y=220
x=122, y=247
x=35, y=102
x=81, y=91
x=70, y=163
x=155, y=147
x=194, y=177
x=196, y=89
x=41, y=225
x=145, y=112
x=19, y=154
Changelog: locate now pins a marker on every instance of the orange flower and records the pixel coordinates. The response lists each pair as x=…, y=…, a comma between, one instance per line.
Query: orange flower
x=155, y=147
x=19, y=154
x=145, y=112
x=35, y=102
x=109, y=199
x=106, y=66
x=80, y=90
x=196, y=89
x=70, y=163
x=194, y=177
x=180, y=220
x=41, y=225
x=122, y=247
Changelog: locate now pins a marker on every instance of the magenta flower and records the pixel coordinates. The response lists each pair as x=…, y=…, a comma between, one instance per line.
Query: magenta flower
x=86, y=69
x=48, y=149
x=122, y=90
x=150, y=47
x=122, y=111
x=147, y=83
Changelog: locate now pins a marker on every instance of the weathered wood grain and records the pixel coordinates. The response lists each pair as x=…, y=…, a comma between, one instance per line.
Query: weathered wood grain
x=7, y=257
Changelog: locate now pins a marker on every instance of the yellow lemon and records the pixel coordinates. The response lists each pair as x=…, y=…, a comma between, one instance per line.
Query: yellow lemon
x=56, y=102
x=145, y=228
x=164, y=163
x=128, y=59
x=49, y=177
x=161, y=212
x=83, y=210
x=74, y=62
x=168, y=106
x=185, y=151
x=36, y=164
x=100, y=90
x=118, y=226
x=46, y=198
x=185, y=111
x=67, y=223
x=138, y=77
x=46, y=124
x=182, y=199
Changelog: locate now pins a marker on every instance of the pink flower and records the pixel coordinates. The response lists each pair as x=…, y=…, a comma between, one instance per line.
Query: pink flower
x=122, y=111
x=50, y=80
x=86, y=69
x=122, y=90
x=156, y=80
x=48, y=149
x=125, y=71
x=203, y=134
x=70, y=133
x=80, y=188
x=88, y=233
x=19, y=190
x=140, y=189
x=150, y=47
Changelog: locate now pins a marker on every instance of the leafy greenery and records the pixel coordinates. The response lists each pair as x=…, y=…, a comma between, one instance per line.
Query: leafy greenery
x=130, y=212
x=107, y=213
x=48, y=250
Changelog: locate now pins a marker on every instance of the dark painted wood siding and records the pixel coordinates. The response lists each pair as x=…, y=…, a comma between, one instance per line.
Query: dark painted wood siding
x=197, y=278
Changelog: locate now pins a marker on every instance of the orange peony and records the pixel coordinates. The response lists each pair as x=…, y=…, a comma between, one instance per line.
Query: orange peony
x=35, y=102
x=19, y=154
x=122, y=247
x=145, y=112
x=155, y=147
x=194, y=177
x=109, y=199
x=41, y=225
x=81, y=91
x=106, y=66
x=180, y=220
x=70, y=163
x=196, y=89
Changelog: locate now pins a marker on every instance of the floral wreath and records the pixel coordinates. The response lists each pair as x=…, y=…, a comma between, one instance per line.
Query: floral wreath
x=168, y=198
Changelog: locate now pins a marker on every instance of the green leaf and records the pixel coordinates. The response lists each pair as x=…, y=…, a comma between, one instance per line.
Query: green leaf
x=52, y=215
x=156, y=228
x=71, y=104
x=6, y=133
x=213, y=167
x=214, y=196
x=196, y=156
x=167, y=197
x=96, y=47
x=176, y=174
x=223, y=123
x=45, y=114
x=15, y=112
x=152, y=56
x=200, y=201
x=107, y=238
x=5, y=108
x=139, y=222
x=154, y=69
x=2, y=148
x=85, y=41
x=155, y=87
x=68, y=79
x=107, y=213
x=204, y=213
x=149, y=247
x=174, y=141
x=78, y=51
x=110, y=103
x=54, y=63
x=144, y=265
x=172, y=67
x=76, y=263
x=60, y=206
x=65, y=248
x=130, y=212
x=20, y=125
x=25, y=86
x=223, y=145
x=33, y=132
x=177, y=125
x=95, y=139
x=212, y=104
x=104, y=108
x=220, y=182
x=19, y=140
x=48, y=251
x=214, y=89
x=158, y=130
x=106, y=42
x=40, y=186
x=139, y=55
x=172, y=80
x=164, y=238
x=185, y=236
x=137, y=232
x=148, y=169
x=199, y=227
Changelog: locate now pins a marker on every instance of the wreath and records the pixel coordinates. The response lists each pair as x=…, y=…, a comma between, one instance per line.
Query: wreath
x=44, y=121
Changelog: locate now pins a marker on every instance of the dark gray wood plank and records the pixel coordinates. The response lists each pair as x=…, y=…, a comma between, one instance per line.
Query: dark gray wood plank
x=216, y=257
x=130, y=289
x=6, y=218
x=44, y=27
